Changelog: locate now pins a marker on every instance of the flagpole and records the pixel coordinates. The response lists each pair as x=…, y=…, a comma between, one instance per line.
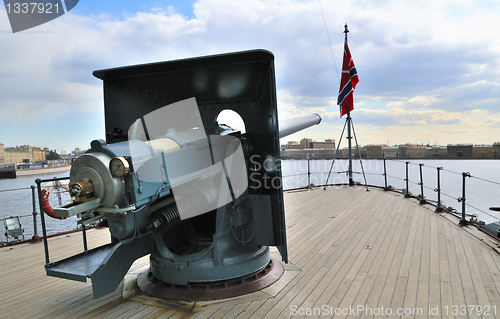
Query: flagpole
x=349, y=136
x=347, y=86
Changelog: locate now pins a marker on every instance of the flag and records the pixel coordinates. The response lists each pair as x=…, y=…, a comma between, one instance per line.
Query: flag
x=347, y=83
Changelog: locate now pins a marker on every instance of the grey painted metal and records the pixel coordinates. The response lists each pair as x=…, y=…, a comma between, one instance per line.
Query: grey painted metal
x=421, y=183
x=13, y=228
x=492, y=228
x=290, y=126
x=349, y=146
x=407, y=191
x=439, y=207
x=308, y=174
x=84, y=235
x=349, y=137
x=462, y=199
x=38, y=182
x=105, y=266
x=35, y=230
x=72, y=209
x=212, y=291
x=359, y=156
x=243, y=82
x=225, y=243
x=385, y=176
x=335, y=155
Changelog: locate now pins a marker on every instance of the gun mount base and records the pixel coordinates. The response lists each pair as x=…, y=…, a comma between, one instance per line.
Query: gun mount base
x=200, y=291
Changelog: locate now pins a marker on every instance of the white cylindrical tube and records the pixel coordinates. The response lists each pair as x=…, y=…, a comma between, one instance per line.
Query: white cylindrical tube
x=290, y=126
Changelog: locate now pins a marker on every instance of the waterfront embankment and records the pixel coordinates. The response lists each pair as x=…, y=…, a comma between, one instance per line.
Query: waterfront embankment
x=42, y=171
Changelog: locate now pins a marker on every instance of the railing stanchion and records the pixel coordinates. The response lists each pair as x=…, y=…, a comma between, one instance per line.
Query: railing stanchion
x=407, y=191
x=35, y=231
x=58, y=191
x=463, y=221
x=38, y=182
x=308, y=174
x=84, y=235
x=439, y=208
x=385, y=177
x=422, y=198
x=42, y=217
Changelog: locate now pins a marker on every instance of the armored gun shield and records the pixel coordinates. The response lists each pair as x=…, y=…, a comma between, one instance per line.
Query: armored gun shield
x=205, y=200
x=243, y=82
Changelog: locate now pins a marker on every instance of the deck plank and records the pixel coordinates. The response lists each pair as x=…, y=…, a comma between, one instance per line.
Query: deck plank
x=456, y=285
x=379, y=251
x=434, y=275
x=411, y=292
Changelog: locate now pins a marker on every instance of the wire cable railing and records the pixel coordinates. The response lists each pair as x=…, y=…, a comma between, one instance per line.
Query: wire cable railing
x=13, y=189
x=423, y=186
x=25, y=227
x=394, y=178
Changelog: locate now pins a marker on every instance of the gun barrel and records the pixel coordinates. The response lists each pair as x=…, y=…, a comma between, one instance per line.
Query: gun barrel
x=293, y=125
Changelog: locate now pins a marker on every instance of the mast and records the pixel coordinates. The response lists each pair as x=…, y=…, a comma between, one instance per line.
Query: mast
x=349, y=136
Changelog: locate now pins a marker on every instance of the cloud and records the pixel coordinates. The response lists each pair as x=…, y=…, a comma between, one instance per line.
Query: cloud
x=494, y=123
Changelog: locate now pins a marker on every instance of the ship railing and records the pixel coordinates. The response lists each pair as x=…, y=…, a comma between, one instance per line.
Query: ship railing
x=465, y=176
x=26, y=227
x=409, y=182
x=81, y=227
x=13, y=225
x=397, y=178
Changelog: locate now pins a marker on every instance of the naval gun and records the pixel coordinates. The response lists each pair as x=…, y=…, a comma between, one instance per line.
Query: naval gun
x=205, y=200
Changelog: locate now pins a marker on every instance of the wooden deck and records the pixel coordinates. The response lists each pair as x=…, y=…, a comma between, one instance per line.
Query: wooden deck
x=352, y=251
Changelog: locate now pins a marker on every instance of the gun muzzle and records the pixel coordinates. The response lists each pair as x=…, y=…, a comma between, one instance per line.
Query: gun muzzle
x=290, y=126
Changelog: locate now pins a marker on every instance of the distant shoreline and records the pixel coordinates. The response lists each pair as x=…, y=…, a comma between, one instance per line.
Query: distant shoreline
x=42, y=171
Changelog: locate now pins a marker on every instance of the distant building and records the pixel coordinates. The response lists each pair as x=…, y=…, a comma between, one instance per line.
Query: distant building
x=291, y=145
x=38, y=154
x=390, y=152
x=18, y=154
x=459, y=151
x=22, y=154
x=483, y=151
x=77, y=151
x=2, y=153
x=416, y=151
x=308, y=143
x=343, y=153
x=436, y=152
x=403, y=151
x=378, y=151
x=305, y=143
x=327, y=144
x=308, y=154
x=373, y=151
x=496, y=150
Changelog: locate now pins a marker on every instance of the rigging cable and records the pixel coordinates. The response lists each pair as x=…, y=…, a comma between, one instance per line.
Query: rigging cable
x=328, y=35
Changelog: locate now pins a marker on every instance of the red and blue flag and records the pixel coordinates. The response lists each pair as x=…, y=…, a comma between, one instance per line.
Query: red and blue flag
x=347, y=83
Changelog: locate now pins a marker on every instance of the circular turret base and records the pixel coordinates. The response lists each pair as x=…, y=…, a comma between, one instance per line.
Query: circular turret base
x=211, y=290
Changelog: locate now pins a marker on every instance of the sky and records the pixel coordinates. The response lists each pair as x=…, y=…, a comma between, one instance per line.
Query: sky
x=429, y=70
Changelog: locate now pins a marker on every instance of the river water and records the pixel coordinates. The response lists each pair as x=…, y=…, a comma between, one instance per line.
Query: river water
x=482, y=189
x=16, y=200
